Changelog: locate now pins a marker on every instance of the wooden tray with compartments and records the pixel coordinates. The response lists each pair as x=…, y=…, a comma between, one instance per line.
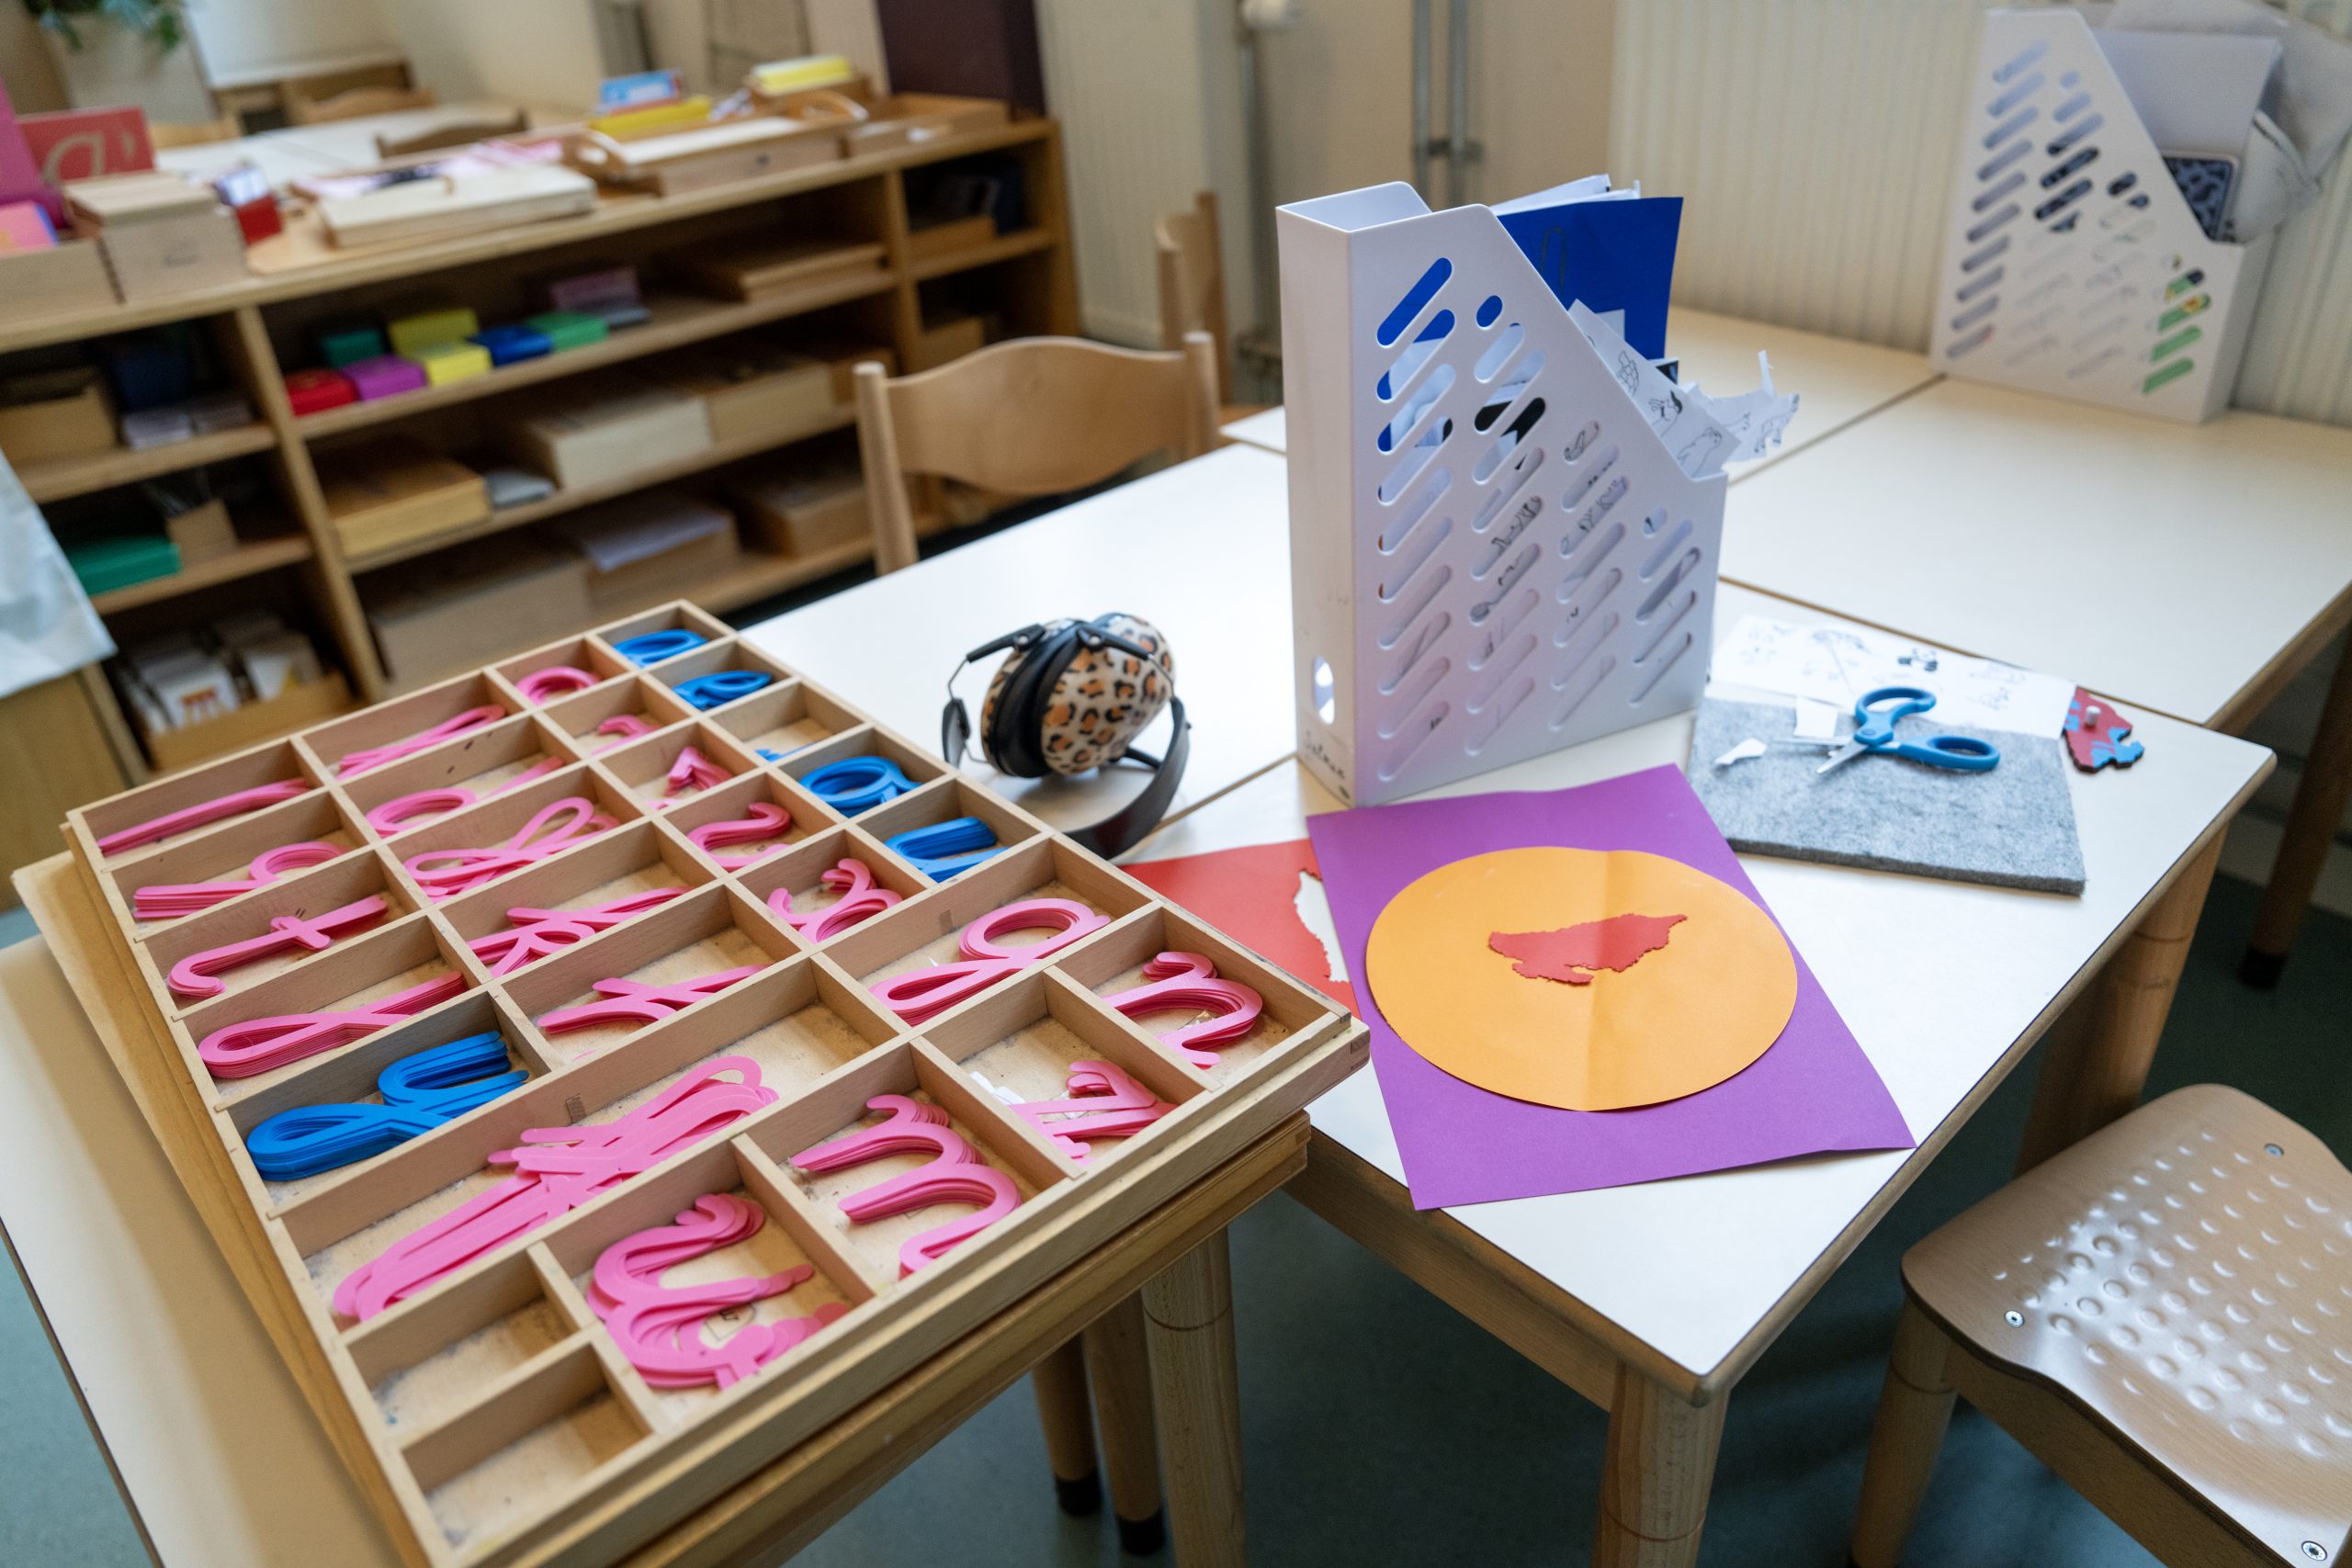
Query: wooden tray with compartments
x=489, y=1413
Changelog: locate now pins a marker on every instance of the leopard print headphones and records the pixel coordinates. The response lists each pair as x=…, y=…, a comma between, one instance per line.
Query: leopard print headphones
x=1071, y=699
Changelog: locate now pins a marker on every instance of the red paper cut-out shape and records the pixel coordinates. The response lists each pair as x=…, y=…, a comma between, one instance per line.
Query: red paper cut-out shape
x=1573, y=953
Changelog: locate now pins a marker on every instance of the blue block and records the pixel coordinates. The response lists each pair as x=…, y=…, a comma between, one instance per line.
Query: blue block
x=511, y=342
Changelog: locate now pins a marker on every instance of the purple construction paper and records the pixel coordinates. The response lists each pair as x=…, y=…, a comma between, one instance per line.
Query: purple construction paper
x=1812, y=1093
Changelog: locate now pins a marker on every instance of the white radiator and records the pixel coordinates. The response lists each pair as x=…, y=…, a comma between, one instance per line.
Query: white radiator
x=1813, y=140
x=1127, y=83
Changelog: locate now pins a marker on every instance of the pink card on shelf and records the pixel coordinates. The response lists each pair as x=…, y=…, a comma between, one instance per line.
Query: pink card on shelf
x=1813, y=1092
x=25, y=227
x=384, y=375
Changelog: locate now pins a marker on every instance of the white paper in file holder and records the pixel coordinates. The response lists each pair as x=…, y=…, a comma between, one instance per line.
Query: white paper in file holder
x=2071, y=265
x=1492, y=553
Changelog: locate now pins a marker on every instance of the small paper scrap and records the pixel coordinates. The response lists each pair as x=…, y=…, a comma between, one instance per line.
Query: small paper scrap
x=1703, y=433
x=1816, y=721
x=2095, y=734
x=1751, y=747
x=1838, y=664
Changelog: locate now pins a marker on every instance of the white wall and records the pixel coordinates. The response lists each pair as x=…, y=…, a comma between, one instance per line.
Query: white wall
x=1127, y=80
x=249, y=40
x=524, y=52
x=1150, y=96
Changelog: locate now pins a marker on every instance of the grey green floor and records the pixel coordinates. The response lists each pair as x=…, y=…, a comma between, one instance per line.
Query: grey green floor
x=1380, y=1427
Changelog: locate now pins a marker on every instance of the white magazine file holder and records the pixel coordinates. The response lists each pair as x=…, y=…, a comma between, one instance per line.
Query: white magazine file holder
x=1492, y=553
x=2072, y=264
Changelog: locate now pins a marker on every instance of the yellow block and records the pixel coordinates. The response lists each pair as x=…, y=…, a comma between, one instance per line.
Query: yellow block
x=412, y=335
x=781, y=76
x=446, y=362
x=655, y=119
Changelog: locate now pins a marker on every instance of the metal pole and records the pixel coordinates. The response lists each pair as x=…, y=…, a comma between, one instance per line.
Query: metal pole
x=1262, y=181
x=1421, y=26
x=1457, y=141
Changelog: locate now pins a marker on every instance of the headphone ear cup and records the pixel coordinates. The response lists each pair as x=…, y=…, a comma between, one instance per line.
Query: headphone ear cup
x=1010, y=732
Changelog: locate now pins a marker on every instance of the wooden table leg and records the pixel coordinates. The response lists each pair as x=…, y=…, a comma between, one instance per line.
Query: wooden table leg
x=1060, y=1383
x=1654, y=1481
x=2311, y=823
x=1914, y=1410
x=1196, y=1390
x=1118, y=1360
x=2092, y=1075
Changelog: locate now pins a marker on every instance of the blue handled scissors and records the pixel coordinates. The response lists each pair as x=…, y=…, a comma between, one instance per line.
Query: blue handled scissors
x=1875, y=720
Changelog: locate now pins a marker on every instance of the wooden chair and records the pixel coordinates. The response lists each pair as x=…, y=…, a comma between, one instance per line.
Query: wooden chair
x=357, y=101
x=161, y=135
x=1034, y=416
x=1191, y=290
x=2163, y=1313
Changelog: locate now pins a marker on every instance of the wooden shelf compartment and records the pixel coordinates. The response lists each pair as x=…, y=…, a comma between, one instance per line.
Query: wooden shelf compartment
x=1021, y=242
x=614, y=215
x=249, y=558
x=676, y=320
x=717, y=455
x=61, y=479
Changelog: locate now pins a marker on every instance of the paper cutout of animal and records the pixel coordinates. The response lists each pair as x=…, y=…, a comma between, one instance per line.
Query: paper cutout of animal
x=1574, y=954
x=2096, y=734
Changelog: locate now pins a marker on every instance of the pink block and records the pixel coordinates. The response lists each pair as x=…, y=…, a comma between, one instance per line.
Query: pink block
x=384, y=375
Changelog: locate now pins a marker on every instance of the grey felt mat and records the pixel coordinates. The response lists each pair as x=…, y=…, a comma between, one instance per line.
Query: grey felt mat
x=2013, y=827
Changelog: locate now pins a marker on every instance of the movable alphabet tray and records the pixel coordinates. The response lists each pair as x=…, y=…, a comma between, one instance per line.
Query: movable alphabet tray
x=604, y=1068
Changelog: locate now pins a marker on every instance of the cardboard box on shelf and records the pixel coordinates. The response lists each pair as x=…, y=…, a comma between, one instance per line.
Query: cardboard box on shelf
x=950, y=236
x=392, y=491
x=649, y=547
x=604, y=427
x=841, y=356
x=54, y=413
x=295, y=708
x=61, y=280
x=747, y=387
x=804, y=513
x=469, y=605
x=947, y=337
x=753, y=266
x=159, y=233
x=906, y=120
x=201, y=533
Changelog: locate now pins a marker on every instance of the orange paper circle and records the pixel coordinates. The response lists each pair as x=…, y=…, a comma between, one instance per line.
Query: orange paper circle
x=1682, y=1019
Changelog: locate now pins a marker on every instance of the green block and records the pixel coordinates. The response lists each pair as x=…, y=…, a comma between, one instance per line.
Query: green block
x=568, y=329
x=348, y=341
x=104, y=565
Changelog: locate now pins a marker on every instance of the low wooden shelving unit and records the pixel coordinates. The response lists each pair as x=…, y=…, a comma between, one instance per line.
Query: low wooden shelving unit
x=258, y=329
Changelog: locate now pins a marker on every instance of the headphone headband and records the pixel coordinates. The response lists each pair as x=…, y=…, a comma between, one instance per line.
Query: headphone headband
x=1019, y=737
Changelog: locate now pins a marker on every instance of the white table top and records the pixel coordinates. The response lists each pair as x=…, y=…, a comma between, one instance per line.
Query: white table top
x=1840, y=380
x=223, y=1462
x=2164, y=565
x=1165, y=547
x=1940, y=981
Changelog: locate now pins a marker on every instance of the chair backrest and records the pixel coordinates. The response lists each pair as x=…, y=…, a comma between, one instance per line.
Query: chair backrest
x=1192, y=283
x=1033, y=416
x=453, y=133
x=359, y=101
x=163, y=134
